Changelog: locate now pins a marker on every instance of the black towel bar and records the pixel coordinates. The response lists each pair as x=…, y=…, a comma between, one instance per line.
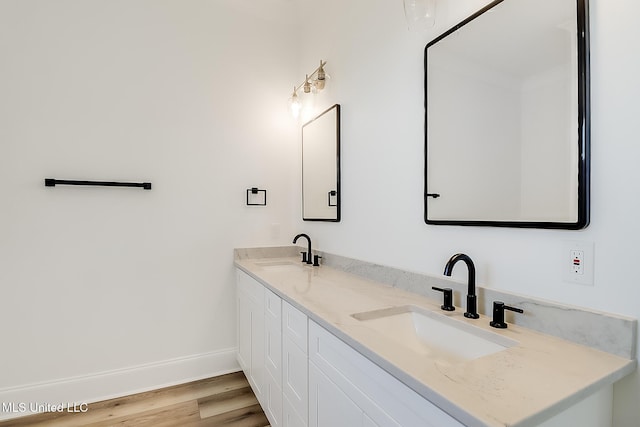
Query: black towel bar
x=50, y=182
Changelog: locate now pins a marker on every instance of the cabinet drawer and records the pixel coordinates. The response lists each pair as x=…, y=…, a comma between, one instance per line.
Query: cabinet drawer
x=272, y=306
x=250, y=286
x=294, y=325
x=382, y=397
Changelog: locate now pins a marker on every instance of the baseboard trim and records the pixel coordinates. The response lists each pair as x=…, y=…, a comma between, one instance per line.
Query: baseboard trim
x=18, y=401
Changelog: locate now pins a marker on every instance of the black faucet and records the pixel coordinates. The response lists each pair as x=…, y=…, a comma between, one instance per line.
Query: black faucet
x=305, y=257
x=472, y=310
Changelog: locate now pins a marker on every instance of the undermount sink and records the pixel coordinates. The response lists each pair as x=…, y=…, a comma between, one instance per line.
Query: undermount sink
x=280, y=265
x=432, y=334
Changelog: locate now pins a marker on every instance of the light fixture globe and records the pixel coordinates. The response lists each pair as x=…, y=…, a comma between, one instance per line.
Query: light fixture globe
x=295, y=105
x=420, y=14
x=321, y=77
x=307, y=84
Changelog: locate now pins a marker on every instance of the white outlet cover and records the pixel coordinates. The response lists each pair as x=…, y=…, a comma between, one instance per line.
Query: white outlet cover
x=568, y=273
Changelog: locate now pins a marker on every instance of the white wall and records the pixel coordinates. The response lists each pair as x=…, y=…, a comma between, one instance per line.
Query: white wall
x=377, y=72
x=190, y=95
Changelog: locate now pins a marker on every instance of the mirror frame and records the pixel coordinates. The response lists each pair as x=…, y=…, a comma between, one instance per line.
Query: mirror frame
x=338, y=189
x=584, y=130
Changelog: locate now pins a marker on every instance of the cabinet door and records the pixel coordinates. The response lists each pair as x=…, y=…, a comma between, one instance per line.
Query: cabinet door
x=251, y=331
x=244, y=331
x=273, y=358
x=328, y=405
x=294, y=376
x=273, y=336
x=257, y=368
x=295, y=362
x=290, y=417
x=368, y=422
x=272, y=404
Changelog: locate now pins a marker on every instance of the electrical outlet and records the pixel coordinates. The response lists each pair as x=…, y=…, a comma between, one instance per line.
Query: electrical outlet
x=577, y=261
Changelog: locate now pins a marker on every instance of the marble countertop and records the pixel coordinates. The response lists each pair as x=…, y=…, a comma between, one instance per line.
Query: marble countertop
x=520, y=386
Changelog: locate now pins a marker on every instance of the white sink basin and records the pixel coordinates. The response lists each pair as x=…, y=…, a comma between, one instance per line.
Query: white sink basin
x=432, y=334
x=280, y=265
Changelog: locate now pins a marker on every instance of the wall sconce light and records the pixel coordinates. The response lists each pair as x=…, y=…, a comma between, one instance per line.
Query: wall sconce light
x=420, y=14
x=312, y=83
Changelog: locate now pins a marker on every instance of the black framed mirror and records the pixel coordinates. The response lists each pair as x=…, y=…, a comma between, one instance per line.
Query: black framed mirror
x=321, y=167
x=507, y=117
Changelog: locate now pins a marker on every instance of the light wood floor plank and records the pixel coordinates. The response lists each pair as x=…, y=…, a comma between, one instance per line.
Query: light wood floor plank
x=252, y=416
x=168, y=416
x=226, y=402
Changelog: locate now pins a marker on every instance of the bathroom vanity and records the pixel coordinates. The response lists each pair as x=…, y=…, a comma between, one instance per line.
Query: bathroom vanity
x=322, y=347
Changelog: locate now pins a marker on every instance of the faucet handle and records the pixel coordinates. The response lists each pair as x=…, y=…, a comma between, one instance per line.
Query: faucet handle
x=498, y=314
x=304, y=257
x=316, y=260
x=448, y=298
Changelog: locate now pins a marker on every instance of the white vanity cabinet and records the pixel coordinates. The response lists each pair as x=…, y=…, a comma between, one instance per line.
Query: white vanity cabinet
x=305, y=376
x=272, y=352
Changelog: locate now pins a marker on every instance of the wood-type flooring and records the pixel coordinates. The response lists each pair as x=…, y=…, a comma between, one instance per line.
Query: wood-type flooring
x=224, y=401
